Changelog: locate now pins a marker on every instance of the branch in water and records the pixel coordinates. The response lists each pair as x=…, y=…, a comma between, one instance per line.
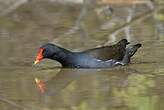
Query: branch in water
x=12, y=6
x=3, y=99
x=14, y=104
x=81, y=16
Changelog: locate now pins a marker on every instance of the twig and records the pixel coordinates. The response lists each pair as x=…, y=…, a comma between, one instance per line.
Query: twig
x=139, y=18
x=129, y=19
x=124, y=26
x=12, y=103
x=13, y=7
x=77, y=25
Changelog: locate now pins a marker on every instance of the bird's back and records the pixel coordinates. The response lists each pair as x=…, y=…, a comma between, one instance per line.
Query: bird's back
x=116, y=51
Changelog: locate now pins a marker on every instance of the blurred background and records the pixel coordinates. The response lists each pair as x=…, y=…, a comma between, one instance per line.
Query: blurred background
x=75, y=24
x=79, y=25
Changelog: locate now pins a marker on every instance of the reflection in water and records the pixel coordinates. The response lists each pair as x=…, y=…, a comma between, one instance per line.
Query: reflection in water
x=137, y=86
x=120, y=88
x=100, y=89
x=73, y=86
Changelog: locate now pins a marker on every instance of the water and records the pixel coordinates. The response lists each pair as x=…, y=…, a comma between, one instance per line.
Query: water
x=137, y=86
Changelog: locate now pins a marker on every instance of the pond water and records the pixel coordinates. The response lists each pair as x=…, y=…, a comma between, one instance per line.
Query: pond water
x=137, y=86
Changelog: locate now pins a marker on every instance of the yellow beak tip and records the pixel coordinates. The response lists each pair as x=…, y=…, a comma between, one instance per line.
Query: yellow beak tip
x=36, y=62
x=36, y=80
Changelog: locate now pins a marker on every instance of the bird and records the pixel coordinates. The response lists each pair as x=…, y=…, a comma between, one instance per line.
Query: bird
x=119, y=54
x=115, y=51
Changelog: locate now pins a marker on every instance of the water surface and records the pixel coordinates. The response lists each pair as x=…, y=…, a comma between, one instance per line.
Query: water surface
x=137, y=86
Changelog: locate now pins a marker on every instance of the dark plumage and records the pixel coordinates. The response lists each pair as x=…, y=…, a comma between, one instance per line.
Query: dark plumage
x=116, y=51
x=102, y=57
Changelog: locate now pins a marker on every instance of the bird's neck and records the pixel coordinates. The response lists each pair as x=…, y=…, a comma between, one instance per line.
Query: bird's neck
x=62, y=55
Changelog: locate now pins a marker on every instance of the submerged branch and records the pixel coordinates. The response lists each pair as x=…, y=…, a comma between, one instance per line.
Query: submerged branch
x=3, y=99
x=126, y=25
x=139, y=18
x=14, y=104
x=12, y=7
x=81, y=16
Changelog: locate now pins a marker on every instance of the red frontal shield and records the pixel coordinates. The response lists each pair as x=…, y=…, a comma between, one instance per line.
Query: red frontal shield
x=39, y=56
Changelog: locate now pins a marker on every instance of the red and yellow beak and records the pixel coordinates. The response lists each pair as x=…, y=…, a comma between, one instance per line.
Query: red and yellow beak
x=39, y=56
x=41, y=85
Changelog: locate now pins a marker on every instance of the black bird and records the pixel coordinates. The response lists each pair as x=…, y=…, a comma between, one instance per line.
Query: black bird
x=92, y=58
x=116, y=51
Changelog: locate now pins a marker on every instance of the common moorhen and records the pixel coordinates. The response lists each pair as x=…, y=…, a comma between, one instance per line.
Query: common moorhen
x=87, y=59
x=116, y=51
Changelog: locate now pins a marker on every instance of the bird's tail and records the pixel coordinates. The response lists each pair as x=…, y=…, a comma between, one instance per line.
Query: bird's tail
x=130, y=51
